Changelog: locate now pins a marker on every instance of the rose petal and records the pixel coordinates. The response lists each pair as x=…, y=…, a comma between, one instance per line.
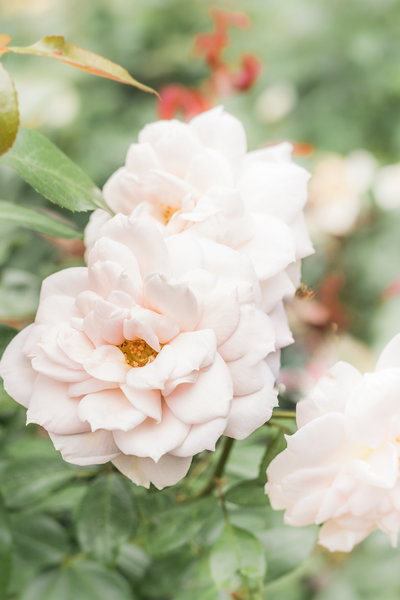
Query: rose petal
x=247, y=413
x=143, y=471
x=93, y=448
x=108, y=364
x=16, y=369
x=201, y=437
x=110, y=410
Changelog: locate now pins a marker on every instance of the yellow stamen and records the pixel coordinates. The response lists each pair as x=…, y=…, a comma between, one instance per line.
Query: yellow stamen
x=137, y=352
x=167, y=213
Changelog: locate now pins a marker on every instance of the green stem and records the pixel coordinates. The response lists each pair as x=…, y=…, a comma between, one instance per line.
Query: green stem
x=284, y=414
x=219, y=469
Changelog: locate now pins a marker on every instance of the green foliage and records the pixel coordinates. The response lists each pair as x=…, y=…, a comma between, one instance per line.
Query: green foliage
x=51, y=173
x=106, y=518
x=9, y=115
x=27, y=217
x=5, y=551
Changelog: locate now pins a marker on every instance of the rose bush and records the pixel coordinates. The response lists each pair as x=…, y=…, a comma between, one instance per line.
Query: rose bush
x=199, y=177
x=341, y=468
x=147, y=356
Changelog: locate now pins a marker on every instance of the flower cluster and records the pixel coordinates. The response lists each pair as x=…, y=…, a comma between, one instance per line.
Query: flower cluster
x=341, y=468
x=170, y=336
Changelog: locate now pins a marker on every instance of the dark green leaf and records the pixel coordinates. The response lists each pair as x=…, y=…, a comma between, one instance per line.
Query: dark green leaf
x=6, y=335
x=38, y=540
x=34, y=219
x=132, y=562
x=237, y=557
x=9, y=115
x=248, y=493
x=51, y=173
x=29, y=479
x=79, y=581
x=106, y=517
x=5, y=551
x=275, y=445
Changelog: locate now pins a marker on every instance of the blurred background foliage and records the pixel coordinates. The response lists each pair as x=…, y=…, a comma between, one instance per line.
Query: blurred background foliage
x=330, y=83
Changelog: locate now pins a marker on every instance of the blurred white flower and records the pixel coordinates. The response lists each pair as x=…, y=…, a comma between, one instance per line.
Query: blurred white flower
x=198, y=177
x=341, y=468
x=277, y=101
x=336, y=191
x=147, y=356
x=387, y=187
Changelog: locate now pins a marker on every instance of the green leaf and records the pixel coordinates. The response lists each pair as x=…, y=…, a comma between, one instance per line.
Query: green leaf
x=29, y=479
x=106, y=518
x=247, y=493
x=82, y=580
x=276, y=444
x=9, y=115
x=132, y=562
x=38, y=540
x=51, y=173
x=236, y=558
x=55, y=46
x=5, y=551
x=34, y=219
x=6, y=335
x=285, y=547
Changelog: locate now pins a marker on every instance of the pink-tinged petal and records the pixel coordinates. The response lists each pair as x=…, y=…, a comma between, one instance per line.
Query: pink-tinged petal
x=123, y=192
x=206, y=399
x=248, y=376
x=280, y=323
x=173, y=142
x=173, y=299
x=275, y=289
x=44, y=365
x=279, y=189
x=141, y=158
x=254, y=336
x=53, y=310
x=153, y=375
x=209, y=168
x=109, y=410
x=294, y=272
x=93, y=448
x=277, y=153
x=147, y=402
x=163, y=327
x=272, y=246
x=371, y=407
x=327, y=433
x=52, y=408
x=247, y=413
x=143, y=238
x=340, y=539
x=94, y=227
x=301, y=236
x=193, y=350
x=185, y=252
x=222, y=132
x=108, y=320
x=16, y=370
x=143, y=471
x=201, y=437
x=151, y=439
x=390, y=355
x=75, y=344
x=67, y=282
x=108, y=364
x=90, y=386
x=221, y=311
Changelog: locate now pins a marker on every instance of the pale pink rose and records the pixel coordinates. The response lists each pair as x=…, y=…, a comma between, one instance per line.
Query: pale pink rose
x=341, y=468
x=147, y=356
x=199, y=177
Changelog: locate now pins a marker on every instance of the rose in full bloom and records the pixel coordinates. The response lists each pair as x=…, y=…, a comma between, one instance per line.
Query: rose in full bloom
x=148, y=355
x=341, y=468
x=198, y=176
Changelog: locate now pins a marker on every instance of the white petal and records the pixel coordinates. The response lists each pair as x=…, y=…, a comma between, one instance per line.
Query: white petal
x=340, y=539
x=108, y=364
x=201, y=437
x=276, y=289
x=122, y=192
x=247, y=413
x=221, y=311
x=175, y=300
x=67, y=282
x=207, y=169
x=151, y=439
x=93, y=448
x=143, y=471
x=52, y=408
x=254, y=336
x=224, y=133
x=109, y=410
x=147, y=402
x=390, y=355
x=16, y=369
x=206, y=399
x=249, y=376
x=141, y=158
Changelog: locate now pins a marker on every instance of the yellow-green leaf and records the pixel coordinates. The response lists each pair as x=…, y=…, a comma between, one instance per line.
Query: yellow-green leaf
x=9, y=115
x=36, y=220
x=55, y=46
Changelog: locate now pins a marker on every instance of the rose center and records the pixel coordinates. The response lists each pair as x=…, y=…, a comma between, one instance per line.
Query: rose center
x=137, y=352
x=167, y=212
